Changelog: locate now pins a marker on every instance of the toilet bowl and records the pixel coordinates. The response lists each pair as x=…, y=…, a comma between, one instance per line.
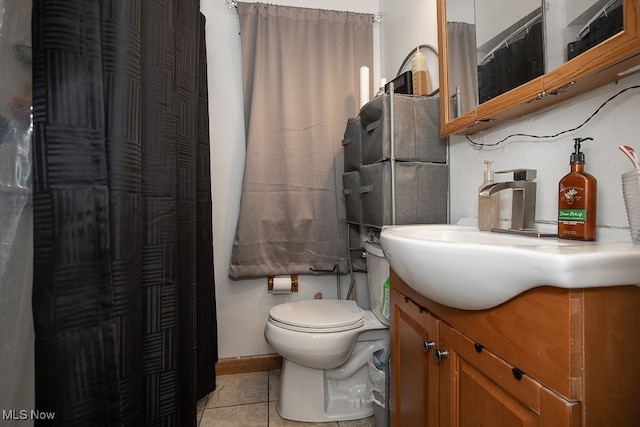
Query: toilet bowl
x=326, y=346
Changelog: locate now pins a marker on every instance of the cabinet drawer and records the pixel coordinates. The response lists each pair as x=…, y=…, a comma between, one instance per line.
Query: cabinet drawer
x=509, y=377
x=485, y=387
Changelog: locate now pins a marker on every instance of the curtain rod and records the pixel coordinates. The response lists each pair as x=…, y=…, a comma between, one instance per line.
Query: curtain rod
x=376, y=17
x=511, y=36
x=587, y=27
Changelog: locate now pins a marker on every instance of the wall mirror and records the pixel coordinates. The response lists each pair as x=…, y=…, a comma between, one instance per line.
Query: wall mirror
x=501, y=59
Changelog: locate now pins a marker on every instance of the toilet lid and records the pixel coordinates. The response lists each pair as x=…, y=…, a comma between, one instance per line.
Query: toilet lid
x=321, y=315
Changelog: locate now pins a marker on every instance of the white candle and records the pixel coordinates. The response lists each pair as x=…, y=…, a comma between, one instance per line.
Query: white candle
x=364, y=85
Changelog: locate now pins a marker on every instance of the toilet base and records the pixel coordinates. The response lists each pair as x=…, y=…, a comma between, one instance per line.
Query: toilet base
x=307, y=395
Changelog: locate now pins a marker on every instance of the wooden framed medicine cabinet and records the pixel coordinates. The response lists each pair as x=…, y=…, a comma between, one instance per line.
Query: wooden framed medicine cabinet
x=605, y=62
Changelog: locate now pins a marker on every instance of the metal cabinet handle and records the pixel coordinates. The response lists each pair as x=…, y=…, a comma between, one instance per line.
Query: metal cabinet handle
x=440, y=355
x=428, y=345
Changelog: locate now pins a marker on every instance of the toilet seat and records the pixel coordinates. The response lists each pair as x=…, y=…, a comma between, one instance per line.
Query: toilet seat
x=317, y=316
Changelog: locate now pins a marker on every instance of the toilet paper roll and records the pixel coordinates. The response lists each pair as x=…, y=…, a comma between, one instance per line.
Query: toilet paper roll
x=364, y=85
x=282, y=285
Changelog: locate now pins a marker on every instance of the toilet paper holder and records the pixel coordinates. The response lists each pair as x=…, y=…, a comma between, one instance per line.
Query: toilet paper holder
x=294, y=282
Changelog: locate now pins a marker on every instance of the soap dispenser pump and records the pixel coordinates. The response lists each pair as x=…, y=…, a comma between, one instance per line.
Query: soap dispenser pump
x=577, y=192
x=488, y=206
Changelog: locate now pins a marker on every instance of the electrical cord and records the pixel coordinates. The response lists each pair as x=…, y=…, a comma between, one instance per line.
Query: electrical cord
x=350, y=264
x=480, y=145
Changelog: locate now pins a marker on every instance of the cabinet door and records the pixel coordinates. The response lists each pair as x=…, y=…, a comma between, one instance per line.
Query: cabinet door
x=414, y=376
x=481, y=389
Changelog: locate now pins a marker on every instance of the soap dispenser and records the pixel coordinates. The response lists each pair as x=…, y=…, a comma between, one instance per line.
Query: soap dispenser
x=419, y=73
x=577, y=199
x=488, y=206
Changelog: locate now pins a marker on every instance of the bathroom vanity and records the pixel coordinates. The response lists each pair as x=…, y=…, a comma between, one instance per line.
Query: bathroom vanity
x=547, y=357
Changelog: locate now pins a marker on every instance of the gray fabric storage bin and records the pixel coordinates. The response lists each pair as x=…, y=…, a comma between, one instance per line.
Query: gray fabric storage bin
x=416, y=129
x=421, y=193
x=352, y=144
x=351, y=190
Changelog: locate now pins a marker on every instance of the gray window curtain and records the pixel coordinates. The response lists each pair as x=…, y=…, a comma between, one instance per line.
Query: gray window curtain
x=462, y=63
x=123, y=292
x=301, y=72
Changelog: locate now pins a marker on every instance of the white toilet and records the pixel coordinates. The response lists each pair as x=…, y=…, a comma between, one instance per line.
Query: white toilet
x=326, y=346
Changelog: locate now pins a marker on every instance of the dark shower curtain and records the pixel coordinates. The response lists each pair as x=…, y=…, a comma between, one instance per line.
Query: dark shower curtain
x=123, y=297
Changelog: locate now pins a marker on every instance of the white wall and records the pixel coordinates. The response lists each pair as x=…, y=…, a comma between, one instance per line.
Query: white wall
x=243, y=305
x=616, y=124
x=407, y=24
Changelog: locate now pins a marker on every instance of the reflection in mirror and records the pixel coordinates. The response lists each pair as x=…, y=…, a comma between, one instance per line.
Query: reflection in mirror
x=461, y=57
x=491, y=53
x=510, y=45
x=575, y=26
x=494, y=47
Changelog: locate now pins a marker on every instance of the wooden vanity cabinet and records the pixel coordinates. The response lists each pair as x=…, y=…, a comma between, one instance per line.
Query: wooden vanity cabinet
x=549, y=357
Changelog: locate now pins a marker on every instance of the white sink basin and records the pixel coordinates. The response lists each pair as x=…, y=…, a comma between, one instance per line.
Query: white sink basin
x=465, y=268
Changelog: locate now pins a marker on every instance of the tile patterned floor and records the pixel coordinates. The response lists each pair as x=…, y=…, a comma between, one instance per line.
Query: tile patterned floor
x=249, y=400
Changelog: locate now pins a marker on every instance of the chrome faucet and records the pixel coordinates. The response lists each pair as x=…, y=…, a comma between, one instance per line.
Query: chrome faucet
x=523, y=206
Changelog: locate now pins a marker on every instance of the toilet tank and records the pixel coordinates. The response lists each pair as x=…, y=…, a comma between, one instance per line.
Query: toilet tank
x=378, y=281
